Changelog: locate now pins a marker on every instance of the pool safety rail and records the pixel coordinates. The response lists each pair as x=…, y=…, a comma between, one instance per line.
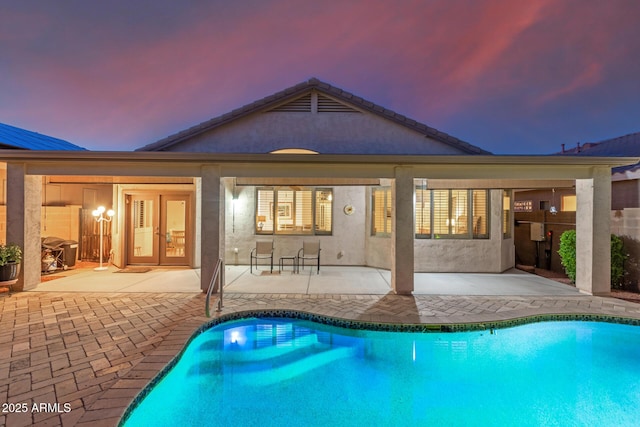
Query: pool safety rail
x=218, y=277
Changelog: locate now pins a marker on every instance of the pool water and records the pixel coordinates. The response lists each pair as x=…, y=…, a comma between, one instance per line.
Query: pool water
x=287, y=372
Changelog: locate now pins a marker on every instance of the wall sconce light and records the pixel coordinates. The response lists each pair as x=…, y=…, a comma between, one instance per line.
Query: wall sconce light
x=553, y=209
x=234, y=193
x=100, y=218
x=234, y=203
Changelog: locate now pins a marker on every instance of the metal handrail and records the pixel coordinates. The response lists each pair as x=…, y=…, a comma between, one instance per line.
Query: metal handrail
x=217, y=275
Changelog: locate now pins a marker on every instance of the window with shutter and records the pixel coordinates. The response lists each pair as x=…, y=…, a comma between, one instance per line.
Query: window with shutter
x=381, y=211
x=452, y=214
x=294, y=210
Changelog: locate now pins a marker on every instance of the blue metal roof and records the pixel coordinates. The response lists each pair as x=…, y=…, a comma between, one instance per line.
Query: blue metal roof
x=13, y=137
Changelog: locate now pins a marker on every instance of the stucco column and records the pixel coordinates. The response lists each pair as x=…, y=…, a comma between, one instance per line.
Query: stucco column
x=212, y=223
x=593, y=233
x=24, y=203
x=402, y=232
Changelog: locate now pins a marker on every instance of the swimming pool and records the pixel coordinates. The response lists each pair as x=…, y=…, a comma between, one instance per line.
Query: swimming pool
x=276, y=371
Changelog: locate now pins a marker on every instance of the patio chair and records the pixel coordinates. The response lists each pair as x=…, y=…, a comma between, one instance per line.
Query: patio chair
x=263, y=250
x=309, y=251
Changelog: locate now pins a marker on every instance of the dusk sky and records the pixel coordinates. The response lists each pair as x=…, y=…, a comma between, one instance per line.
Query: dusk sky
x=510, y=76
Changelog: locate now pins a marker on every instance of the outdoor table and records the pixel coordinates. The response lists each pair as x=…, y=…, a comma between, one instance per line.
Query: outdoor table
x=294, y=262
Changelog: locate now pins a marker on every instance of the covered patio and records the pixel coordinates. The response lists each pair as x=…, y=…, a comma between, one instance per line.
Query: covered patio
x=332, y=280
x=590, y=175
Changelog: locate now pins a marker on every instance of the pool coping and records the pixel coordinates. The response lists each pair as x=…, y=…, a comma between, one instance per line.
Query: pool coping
x=126, y=393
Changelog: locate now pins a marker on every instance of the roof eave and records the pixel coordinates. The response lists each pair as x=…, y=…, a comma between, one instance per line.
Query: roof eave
x=203, y=158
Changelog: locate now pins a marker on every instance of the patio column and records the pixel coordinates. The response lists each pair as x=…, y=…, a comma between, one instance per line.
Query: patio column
x=402, y=231
x=212, y=223
x=24, y=204
x=593, y=233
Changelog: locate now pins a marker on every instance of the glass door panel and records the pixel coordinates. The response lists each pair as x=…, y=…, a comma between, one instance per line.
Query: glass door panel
x=143, y=229
x=174, y=227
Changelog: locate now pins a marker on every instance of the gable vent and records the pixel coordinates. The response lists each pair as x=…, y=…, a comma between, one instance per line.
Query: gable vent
x=329, y=105
x=300, y=105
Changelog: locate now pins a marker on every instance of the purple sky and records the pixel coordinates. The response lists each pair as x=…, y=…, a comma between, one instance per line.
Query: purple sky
x=511, y=76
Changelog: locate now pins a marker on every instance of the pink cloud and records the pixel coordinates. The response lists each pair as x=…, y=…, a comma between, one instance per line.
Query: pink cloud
x=589, y=77
x=492, y=33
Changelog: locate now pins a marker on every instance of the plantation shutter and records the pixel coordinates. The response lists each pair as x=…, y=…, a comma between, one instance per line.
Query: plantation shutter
x=324, y=216
x=480, y=218
x=303, y=220
x=423, y=212
x=440, y=212
x=264, y=211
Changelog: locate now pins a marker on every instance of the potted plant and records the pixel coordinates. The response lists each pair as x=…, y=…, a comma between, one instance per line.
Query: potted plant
x=10, y=259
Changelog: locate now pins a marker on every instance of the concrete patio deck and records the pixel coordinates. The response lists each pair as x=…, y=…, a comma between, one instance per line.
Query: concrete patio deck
x=95, y=349
x=332, y=280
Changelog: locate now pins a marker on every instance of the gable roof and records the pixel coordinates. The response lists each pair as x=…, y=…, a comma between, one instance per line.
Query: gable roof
x=295, y=92
x=622, y=146
x=13, y=137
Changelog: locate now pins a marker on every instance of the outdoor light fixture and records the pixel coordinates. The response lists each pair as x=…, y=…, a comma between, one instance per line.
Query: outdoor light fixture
x=553, y=209
x=234, y=193
x=234, y=203
x=98, y=214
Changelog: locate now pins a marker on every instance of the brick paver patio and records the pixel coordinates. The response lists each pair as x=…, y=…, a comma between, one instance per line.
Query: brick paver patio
x=71, y=348
x=91, y=353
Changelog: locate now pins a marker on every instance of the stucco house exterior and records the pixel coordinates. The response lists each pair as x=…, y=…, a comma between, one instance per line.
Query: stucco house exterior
x=350, y=217
x=315, y=162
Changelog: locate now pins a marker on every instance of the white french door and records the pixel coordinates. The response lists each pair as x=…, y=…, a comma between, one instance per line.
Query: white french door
x=158, y=228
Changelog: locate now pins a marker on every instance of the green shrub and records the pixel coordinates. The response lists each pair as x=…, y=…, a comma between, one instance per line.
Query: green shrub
x=617, y=262
x=568, y=253
x=568, y=257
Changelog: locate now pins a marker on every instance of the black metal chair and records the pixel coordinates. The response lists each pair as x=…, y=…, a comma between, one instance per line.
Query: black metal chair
x=263, y=250
x=309, y=251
